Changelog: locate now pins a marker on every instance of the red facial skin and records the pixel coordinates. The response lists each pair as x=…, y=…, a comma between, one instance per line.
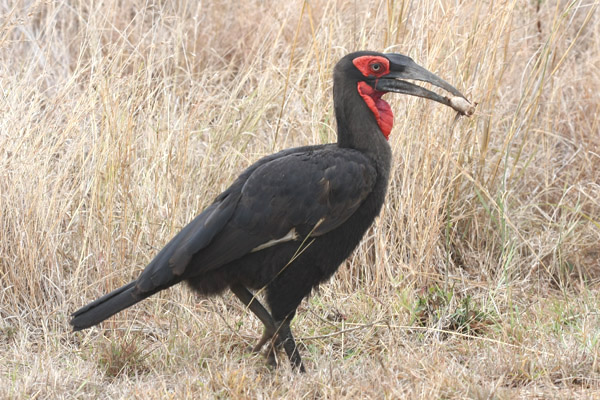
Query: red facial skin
x=375, y=66
x=372, y=65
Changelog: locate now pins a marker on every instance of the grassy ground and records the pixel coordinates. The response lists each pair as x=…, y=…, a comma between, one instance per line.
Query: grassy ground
x=121, y=120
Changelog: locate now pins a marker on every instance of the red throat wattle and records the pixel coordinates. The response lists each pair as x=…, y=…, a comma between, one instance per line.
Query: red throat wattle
x=379, y=107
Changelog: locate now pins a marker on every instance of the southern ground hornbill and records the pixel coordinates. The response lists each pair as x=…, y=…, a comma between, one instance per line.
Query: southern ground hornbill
x=291, y=218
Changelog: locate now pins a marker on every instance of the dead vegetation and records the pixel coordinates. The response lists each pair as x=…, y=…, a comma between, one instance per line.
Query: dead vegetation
x=121, y=120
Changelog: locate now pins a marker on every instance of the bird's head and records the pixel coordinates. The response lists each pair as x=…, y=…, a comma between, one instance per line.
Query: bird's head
x=374, y=74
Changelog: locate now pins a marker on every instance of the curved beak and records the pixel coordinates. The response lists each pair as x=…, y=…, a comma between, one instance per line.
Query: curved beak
x=403, y=67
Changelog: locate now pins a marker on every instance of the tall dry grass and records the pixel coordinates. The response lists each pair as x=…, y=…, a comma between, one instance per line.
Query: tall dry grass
x=120, y=121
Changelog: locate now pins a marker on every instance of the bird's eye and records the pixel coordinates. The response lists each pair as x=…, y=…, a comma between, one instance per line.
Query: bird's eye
x=376, y=67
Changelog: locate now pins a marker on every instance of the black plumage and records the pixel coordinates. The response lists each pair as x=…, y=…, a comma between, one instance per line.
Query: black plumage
x=290, y=219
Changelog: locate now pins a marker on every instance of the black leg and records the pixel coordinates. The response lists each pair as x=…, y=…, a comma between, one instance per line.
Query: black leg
x=284, y=337
x=259, y=310
x=279, y=331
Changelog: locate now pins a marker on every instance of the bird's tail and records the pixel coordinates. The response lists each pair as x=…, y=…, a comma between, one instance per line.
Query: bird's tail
x=106, y=306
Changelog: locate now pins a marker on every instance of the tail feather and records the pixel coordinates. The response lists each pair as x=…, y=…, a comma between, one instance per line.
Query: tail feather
x=106, y=306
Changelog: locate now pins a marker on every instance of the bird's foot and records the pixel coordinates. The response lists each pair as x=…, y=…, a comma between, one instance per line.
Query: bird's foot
x=268, y=334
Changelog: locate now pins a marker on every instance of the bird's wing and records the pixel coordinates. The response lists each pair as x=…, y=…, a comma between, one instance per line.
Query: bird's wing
x=316, y=191
x=171, y=262
x=294, y=195
x=291, y=198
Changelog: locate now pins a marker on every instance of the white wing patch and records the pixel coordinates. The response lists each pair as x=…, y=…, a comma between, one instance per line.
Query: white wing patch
x=291, y=235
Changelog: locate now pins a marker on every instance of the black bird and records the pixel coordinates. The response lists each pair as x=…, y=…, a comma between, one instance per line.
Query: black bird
x=291, y=218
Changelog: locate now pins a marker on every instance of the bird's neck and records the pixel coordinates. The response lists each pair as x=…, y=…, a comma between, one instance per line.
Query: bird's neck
x=358, y=128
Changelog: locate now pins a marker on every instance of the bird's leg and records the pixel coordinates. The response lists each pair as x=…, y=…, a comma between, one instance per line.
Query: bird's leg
x=259, y=310
x=278, y=331
x=283, y=337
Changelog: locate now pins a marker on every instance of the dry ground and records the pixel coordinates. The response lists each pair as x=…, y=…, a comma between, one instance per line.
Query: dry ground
x=121, y=120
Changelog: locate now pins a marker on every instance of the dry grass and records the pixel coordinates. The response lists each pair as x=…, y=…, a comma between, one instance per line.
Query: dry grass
x=121, y=120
